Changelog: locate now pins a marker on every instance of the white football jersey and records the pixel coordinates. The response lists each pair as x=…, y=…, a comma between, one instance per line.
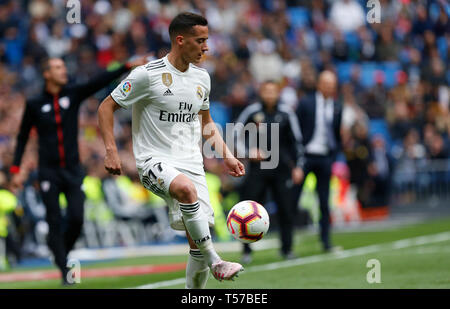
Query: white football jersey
x=165, y=103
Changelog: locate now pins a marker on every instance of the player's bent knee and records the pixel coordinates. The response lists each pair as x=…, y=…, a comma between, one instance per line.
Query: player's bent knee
x=183, y=190
x=187, y=194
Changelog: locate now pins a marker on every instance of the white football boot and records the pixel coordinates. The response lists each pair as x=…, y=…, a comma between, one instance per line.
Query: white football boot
x=224, y=270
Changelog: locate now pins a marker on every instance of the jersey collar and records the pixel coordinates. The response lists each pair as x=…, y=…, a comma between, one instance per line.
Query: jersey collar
x=174, y=69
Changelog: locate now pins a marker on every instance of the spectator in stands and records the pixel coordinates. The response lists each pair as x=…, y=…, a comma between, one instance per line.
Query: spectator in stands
x=380, y=172
x=441, y=26
x=438, y=148
x=374, y=101
x=422, y=23
x=265, y=63
x=347, y=15
x=400, y=122
x=358, y=153
x=8, y=240
x=386, y=48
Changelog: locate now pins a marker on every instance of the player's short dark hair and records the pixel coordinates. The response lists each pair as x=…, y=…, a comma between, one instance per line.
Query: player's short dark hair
x=184, y=22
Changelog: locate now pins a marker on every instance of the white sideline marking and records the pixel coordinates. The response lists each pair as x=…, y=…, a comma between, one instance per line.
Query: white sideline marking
x=161, y=250
x=162, y=284
x=399, y=244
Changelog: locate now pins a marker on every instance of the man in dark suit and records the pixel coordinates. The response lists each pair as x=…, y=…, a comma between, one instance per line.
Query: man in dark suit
x=320, y=120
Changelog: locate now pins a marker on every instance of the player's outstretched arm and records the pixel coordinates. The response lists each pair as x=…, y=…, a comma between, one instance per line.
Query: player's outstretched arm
x=106, y=125
x=27, y=123
x=212, y=136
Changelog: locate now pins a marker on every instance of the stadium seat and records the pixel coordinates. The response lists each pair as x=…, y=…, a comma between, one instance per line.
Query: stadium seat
x=299, y=17
x=390, y=70
x=352, y=40
x=368, y=70
x=379, y=126
x=442, y=47
x=344, y=71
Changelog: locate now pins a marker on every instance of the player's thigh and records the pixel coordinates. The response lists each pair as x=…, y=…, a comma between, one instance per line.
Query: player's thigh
x=157, y=177
x=201, y=187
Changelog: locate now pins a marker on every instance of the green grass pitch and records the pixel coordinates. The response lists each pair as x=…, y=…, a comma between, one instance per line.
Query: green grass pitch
x=411, y=256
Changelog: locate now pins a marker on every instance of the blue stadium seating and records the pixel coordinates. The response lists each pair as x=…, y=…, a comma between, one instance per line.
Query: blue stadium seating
x=352, y=39
x=368, y=72
x=299, y=17
x=344, y=70
x=220, y=113
x=442, y=47
x=379, y=126
x=390, y=70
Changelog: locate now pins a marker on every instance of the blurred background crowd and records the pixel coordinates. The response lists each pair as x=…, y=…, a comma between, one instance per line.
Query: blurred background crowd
x=393, y=75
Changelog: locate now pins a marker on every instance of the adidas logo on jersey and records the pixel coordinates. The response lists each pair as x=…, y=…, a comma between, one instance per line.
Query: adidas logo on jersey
x=168, y=92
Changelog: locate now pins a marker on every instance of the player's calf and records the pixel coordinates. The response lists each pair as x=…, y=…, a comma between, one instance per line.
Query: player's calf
x=197, y=270
x=197, y=228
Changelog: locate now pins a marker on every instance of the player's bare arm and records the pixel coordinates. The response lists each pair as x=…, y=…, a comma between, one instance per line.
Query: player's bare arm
x=106, y=125
x=212, y=135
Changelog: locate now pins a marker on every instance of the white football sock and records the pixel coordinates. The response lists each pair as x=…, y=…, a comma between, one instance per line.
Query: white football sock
x=198, y=228
x=197, y=270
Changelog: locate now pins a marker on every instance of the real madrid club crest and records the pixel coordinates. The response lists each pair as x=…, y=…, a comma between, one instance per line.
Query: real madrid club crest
x=167, y=79
x=199, y=92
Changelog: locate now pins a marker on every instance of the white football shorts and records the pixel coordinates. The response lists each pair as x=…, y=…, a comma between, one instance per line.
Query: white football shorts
x=157, y=176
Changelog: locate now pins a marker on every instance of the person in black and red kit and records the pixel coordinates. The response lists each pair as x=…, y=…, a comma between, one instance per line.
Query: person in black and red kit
x=54, y=113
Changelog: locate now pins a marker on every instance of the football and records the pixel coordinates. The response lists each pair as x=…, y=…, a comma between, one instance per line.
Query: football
x=248, y=221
